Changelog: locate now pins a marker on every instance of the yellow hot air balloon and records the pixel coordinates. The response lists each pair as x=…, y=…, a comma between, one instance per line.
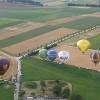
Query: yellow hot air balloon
x=83, y=45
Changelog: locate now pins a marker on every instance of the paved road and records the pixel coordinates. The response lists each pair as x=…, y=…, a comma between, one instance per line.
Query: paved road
x=17, y=84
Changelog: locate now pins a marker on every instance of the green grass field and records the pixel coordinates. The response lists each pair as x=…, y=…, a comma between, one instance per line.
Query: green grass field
x=6, y=93
x=8, y=22
x=95, y=42
x=43, y=14
x=83, y=23
x=85, y=82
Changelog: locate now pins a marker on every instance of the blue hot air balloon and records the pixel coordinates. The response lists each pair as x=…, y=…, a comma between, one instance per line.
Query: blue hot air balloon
x=52, y=55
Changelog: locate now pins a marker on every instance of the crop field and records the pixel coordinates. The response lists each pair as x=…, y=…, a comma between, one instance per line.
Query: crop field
x=25, y=36
x=23, y=27
x=83, y=23
x=44, y=14
x=42, y=21
x=8, y=22
x=85, y=83
x=6, y=93
x=95, y=42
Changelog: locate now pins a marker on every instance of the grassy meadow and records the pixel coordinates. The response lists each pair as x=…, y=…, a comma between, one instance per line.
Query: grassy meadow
x=6, y=93
x=95, y=42
x=85, y=82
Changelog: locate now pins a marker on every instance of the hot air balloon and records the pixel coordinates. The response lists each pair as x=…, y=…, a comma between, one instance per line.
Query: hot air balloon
x=52, y=55
x=83, y=45
x=63, y=55
x=4, y=64
x=95, y=56
x=43, y=53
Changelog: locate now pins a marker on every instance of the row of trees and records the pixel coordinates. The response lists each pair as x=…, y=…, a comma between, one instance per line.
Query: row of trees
x=31, y=2
x=85, y=5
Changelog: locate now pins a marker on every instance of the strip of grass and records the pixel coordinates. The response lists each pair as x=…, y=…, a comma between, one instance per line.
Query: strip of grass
x=85, y=82
x=6, y=93
x=95, y=42
x=8, y=22
x=83, y=23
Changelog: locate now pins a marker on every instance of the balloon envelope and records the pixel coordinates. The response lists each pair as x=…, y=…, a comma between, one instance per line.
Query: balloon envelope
x=4, y=64
x=43, y=53
x=83, y=45
x=95, y=56
x=63, y=55
x=52, y=55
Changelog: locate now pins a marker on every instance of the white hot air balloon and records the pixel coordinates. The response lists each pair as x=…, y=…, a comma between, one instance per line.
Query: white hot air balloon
x=63, y=55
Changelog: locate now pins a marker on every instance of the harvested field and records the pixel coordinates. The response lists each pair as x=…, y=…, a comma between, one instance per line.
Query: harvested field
x=77, y=58
x=38, y=41
x=12, y=70
x=19, y=29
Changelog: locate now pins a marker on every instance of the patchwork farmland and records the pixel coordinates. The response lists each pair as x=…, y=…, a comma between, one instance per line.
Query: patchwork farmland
x=28, y=29
x=24, y=29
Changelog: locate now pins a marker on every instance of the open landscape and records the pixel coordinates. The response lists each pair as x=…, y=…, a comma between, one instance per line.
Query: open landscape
x=25, y=28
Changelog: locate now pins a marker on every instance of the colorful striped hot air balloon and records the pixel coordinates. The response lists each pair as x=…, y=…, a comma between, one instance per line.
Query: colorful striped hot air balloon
x=95, y=56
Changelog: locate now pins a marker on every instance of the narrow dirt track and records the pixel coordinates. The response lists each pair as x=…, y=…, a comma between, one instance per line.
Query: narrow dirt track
x=19, y=29
x=38, y=41
x=77, y=58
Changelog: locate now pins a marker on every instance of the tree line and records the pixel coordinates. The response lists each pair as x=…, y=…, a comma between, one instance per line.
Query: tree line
x=31, y=2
